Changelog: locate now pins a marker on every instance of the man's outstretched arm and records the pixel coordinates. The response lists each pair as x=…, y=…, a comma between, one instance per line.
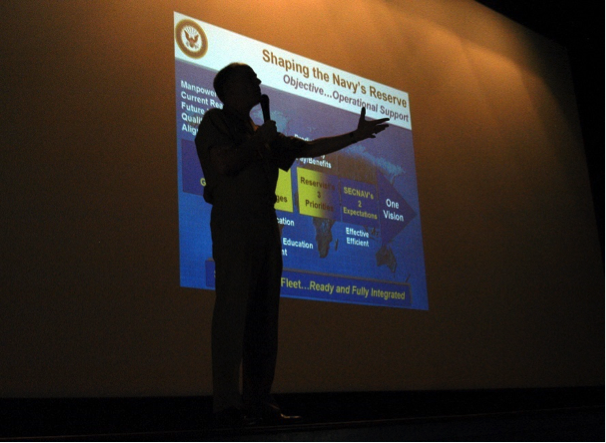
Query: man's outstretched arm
x=326, y=145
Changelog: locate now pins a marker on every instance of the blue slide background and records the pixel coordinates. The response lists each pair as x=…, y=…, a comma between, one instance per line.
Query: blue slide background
x=388, y=167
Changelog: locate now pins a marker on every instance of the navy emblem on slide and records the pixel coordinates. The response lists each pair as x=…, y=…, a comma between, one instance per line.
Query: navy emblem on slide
x=191, y=39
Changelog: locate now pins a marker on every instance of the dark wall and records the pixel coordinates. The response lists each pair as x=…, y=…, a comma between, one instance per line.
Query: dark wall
x=90, y=298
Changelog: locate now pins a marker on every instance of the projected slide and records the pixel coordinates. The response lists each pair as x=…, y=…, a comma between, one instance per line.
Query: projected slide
x=350, y=221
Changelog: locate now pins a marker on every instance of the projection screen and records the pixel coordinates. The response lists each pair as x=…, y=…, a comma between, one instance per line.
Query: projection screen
x=350, y=221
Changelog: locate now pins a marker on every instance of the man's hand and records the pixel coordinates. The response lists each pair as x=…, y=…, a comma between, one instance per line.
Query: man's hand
x=369, y=128
x=267, y=132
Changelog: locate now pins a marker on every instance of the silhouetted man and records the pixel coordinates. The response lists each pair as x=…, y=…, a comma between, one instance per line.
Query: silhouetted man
x=240, y=161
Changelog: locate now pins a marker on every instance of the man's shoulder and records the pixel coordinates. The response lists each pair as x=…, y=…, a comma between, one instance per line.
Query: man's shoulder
x=214, y=119
x=214, y=115
x=214, y=112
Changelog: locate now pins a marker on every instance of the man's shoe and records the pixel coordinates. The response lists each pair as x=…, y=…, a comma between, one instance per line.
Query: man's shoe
x=232, y=418
x=273, y=415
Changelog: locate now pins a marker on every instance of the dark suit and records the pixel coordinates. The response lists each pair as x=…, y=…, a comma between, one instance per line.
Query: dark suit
x=247, y=254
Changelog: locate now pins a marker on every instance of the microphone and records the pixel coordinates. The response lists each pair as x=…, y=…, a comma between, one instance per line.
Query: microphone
x=265, y=107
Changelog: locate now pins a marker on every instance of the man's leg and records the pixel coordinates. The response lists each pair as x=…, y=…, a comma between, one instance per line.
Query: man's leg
x=234, y=261
x=261, y=334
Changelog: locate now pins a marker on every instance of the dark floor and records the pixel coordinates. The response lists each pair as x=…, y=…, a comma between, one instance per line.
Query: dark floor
x=559, y=414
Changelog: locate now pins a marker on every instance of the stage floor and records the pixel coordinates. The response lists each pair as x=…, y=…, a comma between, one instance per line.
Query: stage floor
x=559, y=414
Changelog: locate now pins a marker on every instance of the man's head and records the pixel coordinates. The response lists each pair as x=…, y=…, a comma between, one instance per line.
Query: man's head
x=237, y=83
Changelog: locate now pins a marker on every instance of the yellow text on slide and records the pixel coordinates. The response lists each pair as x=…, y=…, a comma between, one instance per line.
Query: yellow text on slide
x=284, y=192
x=318, y=196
